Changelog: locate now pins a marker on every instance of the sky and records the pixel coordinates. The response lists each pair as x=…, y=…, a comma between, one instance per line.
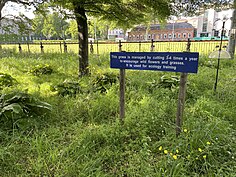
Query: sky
x=16, y=9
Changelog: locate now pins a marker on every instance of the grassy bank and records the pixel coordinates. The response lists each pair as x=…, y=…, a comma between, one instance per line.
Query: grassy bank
x=81, y=134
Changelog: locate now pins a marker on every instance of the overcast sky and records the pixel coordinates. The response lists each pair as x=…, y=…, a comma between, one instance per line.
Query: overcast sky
x=15, y=9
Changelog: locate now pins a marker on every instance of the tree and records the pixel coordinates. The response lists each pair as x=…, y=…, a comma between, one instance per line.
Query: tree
x=72, y=30
x=123, y=12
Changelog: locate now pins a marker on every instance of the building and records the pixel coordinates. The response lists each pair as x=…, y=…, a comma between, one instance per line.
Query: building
x=209, y=24
x=170, y=32
x=115, y=33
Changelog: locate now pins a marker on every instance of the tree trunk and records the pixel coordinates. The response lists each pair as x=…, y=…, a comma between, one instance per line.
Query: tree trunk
x=232, y=38
x=81, y=20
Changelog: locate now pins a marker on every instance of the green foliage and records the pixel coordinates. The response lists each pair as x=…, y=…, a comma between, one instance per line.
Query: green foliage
x=41, y=69
x=165, y=81
x=104, y=81
x=16, y=105
x=67, y=88
x=6, y=80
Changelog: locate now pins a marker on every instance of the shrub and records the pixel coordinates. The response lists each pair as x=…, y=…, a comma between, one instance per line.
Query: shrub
x=6, y=80
x=104, y=81
x=41, y=70
x=70, y=88
x=16, y=105
x=170, y=82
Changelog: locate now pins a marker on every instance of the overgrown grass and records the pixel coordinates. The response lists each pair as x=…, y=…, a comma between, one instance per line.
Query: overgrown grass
x=82, y=135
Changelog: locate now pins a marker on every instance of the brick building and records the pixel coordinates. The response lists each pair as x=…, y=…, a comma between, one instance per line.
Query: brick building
x=169, y=32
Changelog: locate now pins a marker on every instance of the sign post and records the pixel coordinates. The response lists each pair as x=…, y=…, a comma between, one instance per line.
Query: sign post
x=183, y=62
x=122, y=90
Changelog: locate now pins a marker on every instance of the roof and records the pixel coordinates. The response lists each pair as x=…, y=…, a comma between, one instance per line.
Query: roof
x=168, y=26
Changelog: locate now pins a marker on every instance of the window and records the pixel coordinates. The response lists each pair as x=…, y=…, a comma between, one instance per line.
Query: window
x=160, y=36
x=165, y=36
x=204, y=27
x=149, y=36
x=141, y=36
x=216, y=33
x=174, y=35
x=203, y=34
x=170, y=36
x=179, y=35
x=184, y=35
x=137, y=36
x=189, y=35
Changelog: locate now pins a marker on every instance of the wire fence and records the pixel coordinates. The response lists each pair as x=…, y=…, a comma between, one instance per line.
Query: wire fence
x=203, y=47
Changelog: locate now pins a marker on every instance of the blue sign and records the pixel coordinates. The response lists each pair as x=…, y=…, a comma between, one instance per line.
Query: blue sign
x=185, y=62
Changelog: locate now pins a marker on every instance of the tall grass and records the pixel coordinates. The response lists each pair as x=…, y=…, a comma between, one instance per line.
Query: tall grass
x=82, y=135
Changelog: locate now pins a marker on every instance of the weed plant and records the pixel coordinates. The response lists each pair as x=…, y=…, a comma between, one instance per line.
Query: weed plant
x=82, y=135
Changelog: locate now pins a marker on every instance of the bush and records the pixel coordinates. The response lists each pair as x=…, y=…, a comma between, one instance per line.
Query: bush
x=41, y=70
x=6, y=80
x=170, y=82
x=16, y=105
x=104, y=81
x=70, y=88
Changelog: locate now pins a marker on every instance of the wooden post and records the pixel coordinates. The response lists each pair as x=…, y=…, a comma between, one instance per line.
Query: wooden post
x=152, y=46
x=41, y=47
x=97, y=48
x=20, y=49
x=28, y=47
x=60, y=47
x=91, y=47
x=122, y=90
x=139, y=49
x=65, y=47
x=181, y=98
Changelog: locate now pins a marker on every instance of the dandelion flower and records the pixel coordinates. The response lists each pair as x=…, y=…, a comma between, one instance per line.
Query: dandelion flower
x=160, y=148
x=204, y=156
x=200, y=150
x=175, y=157
x=177, y=151
x=185, y=130
x=165, y=151
x=171, y=154
x=208, y=143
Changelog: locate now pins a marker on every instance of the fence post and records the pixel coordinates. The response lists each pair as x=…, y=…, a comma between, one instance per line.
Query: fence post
x=60, y=47
x=139, y=47
x=97, y=48
x=28, y=47
x=65, y=47
x=91, y=47
x=181, y=97
x=20, y=49
x=152, y=46
x=41, y=47
x=122, y=90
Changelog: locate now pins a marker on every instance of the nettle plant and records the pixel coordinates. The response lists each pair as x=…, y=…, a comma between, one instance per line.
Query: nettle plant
x=6, y=80
x=104, y=81
x=41, y=69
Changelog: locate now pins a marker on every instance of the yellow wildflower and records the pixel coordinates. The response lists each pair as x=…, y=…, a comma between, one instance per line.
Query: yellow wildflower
x=171, y=154
x=175, y=157
x=185, y=130
x=160, y=148
x=204, y=156
x=200, y=150
x=165, y=151
x=208, y=143
x=177, y=151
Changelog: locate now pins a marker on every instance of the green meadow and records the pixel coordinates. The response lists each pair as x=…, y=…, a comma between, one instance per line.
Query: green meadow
x=53, y=123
